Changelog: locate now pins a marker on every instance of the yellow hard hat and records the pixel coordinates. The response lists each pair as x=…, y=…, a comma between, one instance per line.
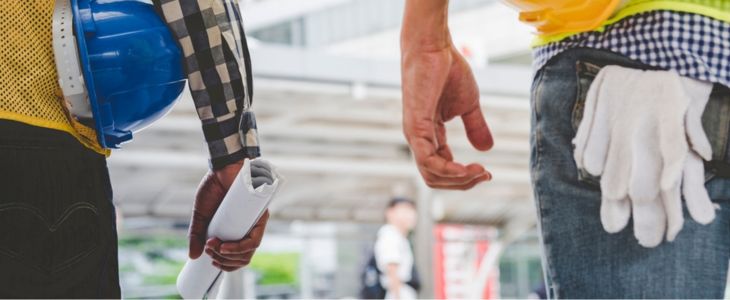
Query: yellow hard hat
x=562, y=16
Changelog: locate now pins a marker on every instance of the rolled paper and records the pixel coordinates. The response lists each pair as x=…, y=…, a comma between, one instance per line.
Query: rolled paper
x=239, y=211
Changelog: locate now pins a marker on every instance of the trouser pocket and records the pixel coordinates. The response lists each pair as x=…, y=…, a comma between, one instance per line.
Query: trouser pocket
x=716, y=122
x=56, y=224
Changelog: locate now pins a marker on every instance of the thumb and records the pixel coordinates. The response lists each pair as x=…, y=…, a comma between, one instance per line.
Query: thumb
x=197, y=237
x=477, y=129
x=207, y=199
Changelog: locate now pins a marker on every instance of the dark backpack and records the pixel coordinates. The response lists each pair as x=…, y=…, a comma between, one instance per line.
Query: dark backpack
x=370, y=279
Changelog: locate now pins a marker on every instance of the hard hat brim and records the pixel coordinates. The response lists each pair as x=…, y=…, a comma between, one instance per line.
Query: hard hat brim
x=86, y=69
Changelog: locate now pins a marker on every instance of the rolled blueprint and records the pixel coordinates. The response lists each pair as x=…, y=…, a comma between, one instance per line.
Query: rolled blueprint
x=240, y=209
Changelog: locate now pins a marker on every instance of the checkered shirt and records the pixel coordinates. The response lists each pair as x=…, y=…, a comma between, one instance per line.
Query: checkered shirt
x=210, y=34
x=694, y=45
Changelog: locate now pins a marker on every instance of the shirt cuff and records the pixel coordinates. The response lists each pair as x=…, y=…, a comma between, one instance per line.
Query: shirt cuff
x=242, y=144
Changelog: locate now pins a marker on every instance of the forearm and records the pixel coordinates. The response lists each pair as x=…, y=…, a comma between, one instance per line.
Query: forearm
x=425, y=26
x=394, y=282
x=218, y=67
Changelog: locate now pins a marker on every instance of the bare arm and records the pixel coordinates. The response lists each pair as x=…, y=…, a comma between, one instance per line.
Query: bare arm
x=438, y=85
x=394, y=282
x=425, y=26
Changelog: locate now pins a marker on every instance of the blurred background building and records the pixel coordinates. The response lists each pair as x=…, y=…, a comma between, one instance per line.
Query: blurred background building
x=327, y=100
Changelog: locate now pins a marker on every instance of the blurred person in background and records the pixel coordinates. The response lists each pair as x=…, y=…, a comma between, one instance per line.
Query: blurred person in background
x=689, y=41
x=58, y=236
x=393, y=256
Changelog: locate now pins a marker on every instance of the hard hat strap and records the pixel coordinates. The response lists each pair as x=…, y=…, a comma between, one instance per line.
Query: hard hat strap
x=68, y=64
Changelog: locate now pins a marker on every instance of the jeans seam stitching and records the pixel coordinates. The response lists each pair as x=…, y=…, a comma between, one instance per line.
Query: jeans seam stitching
x=538, y=148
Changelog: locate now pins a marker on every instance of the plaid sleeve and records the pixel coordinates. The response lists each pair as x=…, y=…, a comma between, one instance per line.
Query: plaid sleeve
x=218, y=66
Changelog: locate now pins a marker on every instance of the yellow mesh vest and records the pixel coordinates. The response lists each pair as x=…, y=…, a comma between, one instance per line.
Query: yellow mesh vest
x=29, y=89
x=717, y=9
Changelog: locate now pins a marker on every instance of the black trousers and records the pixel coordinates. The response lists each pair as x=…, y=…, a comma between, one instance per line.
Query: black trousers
x=57, y=224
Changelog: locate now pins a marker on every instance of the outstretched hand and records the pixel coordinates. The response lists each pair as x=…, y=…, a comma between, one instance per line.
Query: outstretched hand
x=438, y=85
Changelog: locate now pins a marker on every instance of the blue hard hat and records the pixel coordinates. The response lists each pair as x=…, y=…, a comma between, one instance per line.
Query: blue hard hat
x=131, y=64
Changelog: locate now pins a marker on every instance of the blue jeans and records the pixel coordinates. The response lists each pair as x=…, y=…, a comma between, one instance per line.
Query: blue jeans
x=581, y=259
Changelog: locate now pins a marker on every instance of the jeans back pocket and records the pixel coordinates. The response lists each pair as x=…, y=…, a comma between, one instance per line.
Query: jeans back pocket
x=716, y=122
x=52, y=210
x=585, y=74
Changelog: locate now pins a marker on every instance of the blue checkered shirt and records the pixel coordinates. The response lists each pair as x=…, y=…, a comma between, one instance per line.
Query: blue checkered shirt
x=695, y=46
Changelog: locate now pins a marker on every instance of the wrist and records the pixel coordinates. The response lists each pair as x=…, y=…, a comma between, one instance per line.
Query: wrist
x=425, y=26
x=227, y=173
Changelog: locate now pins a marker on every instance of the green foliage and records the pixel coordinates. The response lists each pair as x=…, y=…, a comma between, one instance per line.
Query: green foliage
x=272, y=268
x=166, y=274
x=144, y=242
x=276, y=268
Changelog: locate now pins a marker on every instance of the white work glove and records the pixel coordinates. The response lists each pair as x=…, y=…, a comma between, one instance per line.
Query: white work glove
x=636, y=134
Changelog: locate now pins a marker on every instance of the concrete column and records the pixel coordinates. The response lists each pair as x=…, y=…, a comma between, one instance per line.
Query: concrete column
x=423, y=242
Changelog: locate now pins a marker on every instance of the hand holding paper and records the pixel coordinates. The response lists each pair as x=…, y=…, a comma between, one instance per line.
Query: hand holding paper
x=243, y=205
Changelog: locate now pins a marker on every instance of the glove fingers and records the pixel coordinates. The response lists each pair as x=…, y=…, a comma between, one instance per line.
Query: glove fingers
x=615, y=214
x=646, y=164
x=597, y=144
x=261, y=180
x=699, y=93
x=614, y=181
x=650, y=222
x=696, y=134
x=586, y=125
x=671, y=121
x=675, y=216
x=699, y=205
x=257, y=171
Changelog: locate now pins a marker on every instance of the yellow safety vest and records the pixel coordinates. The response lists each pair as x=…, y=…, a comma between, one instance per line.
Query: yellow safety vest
x=717, y=9
x=29, y=89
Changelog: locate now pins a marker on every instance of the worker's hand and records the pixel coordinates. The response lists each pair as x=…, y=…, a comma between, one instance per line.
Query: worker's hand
x=231, y=256
x=438, y=85
x=211, y=191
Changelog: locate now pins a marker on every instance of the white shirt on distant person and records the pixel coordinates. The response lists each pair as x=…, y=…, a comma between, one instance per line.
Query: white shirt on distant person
x=392, y=247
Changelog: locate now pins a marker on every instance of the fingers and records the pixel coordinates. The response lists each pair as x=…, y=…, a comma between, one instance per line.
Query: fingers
x=699, y=205
x=475, y=175
x=673, y=156
x=646, y=165
x=235, y=261
x=442, y=148
x=615, y=214
x=208, y=198
x=435, y=160
x=477, y=129
x=464, y=186
x=427, y=159
x=238, y=253
x=250, y=242
x=699, y=93
x=675, y=216
x=614, y=181
x=650, y=222
x=196, y=240
x=237, y=256
x=586, y=124
x=595, y=152
x=696, y=135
